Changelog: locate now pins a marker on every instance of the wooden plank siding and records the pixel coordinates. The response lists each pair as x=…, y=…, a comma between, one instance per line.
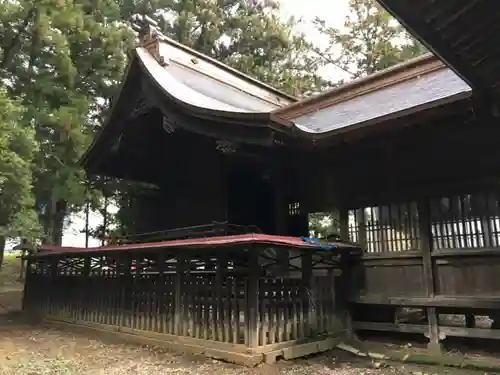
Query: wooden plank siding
x=440, y=254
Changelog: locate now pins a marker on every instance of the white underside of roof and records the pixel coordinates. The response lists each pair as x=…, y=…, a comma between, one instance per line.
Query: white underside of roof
x=187, y=83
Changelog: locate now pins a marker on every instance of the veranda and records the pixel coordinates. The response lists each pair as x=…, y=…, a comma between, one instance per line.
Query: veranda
x=245, y=299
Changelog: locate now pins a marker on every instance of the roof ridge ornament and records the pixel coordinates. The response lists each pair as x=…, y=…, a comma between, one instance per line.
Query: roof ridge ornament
x=150, y=35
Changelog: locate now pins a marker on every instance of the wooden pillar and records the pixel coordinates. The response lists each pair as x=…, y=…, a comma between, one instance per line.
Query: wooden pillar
x=126, y=289
x=424, y=223
x=361, y=224
x=344, y=223
x=160, y=316
x=27, y=281
x=85, y=287
x=23, y=264
x=178, y=286
x=252, y=300
x=280, y=207
x=310, y=295
x=218, y=312
x=333, y=319
x=280, y=215
x=470, y=320
x=137, y=313
x=280, y=194
x=54, y=304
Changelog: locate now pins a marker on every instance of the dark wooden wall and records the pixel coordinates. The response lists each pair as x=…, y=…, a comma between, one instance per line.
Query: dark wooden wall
x=423, y=200
x=440, y=253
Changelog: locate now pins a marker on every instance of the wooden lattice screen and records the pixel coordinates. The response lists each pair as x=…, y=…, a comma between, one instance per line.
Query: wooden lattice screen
x=458, y=221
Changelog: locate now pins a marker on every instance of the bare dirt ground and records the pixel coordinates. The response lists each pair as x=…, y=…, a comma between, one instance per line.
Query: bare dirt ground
x=29, y=350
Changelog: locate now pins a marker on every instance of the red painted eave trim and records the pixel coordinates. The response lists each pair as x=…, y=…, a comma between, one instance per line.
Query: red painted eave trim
x=48, y=250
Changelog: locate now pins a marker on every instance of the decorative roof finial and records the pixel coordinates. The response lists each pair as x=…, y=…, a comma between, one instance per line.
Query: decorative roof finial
x=149, y=36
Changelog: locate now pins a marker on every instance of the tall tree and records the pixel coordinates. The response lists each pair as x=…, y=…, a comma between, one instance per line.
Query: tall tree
x=18, y=217
x=62, y=58
x=371, y=40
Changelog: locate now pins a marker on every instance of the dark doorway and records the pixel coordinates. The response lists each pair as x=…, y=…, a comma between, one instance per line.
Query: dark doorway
x=250, y=199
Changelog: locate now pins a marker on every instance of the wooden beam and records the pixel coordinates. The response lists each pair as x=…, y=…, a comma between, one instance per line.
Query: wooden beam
x=425, y=230
x=413, y=20
x=361, y=224
x=252, y=299
x=178, y=286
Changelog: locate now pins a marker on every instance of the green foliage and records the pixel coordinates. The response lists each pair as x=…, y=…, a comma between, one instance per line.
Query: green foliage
x=17, y=146
x=63, y=60
x=371, y=40
x=324, y=224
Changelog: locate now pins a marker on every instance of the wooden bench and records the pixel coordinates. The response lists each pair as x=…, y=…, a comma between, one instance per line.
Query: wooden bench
x=490, y=302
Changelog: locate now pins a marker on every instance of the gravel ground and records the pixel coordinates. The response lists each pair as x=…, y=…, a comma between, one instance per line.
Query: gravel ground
x=40, y=351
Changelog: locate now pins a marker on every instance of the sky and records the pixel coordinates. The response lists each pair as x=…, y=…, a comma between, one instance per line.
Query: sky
x=332, y=11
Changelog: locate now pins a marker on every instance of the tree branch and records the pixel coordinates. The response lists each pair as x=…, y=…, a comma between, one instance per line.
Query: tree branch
x=334, y=62
x=9, y=50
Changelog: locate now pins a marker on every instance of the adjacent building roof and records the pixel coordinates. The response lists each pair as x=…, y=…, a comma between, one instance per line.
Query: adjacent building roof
x=461, y=33
x=408, y=87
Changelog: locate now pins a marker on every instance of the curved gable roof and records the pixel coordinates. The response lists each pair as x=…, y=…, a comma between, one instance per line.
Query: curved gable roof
x=203, y=88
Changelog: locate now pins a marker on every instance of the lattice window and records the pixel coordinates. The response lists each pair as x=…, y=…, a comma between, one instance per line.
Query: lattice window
x=466, y=221
x=294, y=209
x=387, y=228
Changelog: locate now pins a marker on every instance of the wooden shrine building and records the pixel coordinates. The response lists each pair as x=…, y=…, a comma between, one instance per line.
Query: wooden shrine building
x=409, y=157
x=229, y=275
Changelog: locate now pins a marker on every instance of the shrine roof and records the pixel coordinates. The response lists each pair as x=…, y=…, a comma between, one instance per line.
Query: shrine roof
x=204, y=82
x=406, y=88
x=223, y=101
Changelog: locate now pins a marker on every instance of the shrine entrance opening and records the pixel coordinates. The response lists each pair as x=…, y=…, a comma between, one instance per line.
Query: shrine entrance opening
x=250, y=199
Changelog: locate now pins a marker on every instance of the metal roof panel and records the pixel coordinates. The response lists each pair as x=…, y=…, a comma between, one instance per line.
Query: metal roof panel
x=423, y=89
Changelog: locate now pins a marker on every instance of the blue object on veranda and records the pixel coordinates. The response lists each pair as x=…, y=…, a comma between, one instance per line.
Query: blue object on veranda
x=317, y=242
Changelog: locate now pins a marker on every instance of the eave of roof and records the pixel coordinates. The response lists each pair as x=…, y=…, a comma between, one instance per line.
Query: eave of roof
x=281, y=97
x=461, y=33
x=209, y=90
x=206, y=242
x=418, y=84
x=206, y=93
x=361, y=86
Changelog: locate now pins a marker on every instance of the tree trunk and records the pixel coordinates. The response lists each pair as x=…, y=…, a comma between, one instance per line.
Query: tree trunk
x=2, y=249
x=104, y=221
x=54, y=222
x=87, y=213
x=58, y=222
